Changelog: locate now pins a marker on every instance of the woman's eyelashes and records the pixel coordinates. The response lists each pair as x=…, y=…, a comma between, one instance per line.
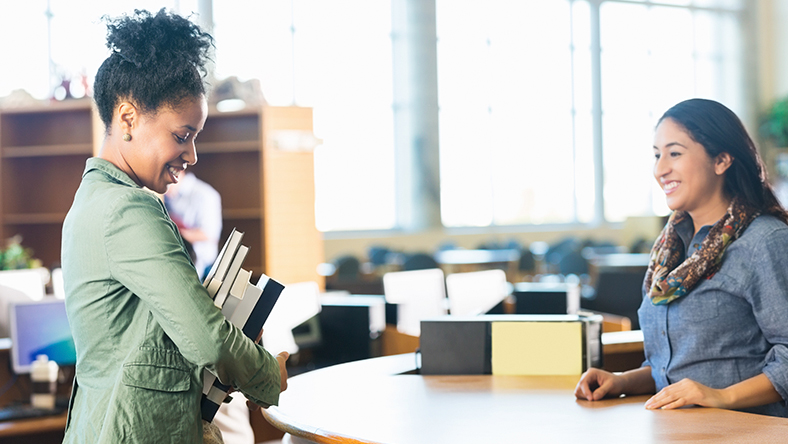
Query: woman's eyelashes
x=181, y=139
x=671, y=154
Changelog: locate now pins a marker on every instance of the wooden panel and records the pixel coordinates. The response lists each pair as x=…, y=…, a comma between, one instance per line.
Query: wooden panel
x=49, y=126
x=294, y=246
x=230, y=127
x=42, y=239
x=235, y=175
x=41, y=184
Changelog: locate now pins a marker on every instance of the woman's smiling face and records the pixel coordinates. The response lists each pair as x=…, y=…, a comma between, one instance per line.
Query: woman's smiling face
x=690, y=178
x=163, y=144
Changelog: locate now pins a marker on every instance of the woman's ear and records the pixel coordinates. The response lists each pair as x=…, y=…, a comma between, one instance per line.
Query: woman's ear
x=127, y=116
x=722, y=162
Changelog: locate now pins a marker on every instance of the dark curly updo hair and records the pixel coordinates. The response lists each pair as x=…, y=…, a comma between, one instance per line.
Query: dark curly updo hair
x=156, y=60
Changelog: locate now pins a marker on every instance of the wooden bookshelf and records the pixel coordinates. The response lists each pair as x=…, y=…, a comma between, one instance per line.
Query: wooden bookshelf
x=42, y=155
x=267, y=192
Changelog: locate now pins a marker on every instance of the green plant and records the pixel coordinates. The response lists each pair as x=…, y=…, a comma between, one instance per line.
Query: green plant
x=13, y=256
x=774, y=126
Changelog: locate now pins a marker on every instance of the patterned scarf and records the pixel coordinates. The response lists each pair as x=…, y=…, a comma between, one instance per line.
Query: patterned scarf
x=667, y=279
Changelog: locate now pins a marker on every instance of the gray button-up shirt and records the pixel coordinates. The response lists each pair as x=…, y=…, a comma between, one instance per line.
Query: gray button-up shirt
x=732, y=326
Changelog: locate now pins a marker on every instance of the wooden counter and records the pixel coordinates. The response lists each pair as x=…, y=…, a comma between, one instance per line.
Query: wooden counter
x=371, y=401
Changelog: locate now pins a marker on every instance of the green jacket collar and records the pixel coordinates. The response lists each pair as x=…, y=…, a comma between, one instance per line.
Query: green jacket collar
x=108, y=168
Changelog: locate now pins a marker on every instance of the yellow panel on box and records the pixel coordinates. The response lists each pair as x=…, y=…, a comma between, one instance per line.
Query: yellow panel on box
x=537, y=348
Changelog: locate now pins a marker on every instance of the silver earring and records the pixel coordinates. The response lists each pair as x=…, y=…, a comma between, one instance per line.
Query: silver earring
x=127, y=137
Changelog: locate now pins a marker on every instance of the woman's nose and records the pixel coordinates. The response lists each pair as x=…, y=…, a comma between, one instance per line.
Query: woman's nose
x=190, y=155
x=661, y=167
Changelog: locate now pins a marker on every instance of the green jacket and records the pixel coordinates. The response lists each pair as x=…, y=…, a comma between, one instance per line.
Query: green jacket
x=143, y=325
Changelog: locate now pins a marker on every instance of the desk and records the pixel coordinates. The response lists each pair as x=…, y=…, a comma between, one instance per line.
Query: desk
x=37, y=430
x=371, y=401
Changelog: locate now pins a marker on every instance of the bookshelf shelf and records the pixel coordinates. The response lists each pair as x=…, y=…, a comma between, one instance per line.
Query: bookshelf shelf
x=242, y=213
x=78, y=149
x=261, y=190
x=34, y=218
x=227, y=147
x=43, y=150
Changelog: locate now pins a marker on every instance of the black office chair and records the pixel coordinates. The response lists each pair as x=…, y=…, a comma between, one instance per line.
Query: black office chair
x=556, y=252
x=617, y=292
x=527, y=262
x=573, y=262
x=348, y=268
x=378, y=255
x=419, y=261
x=641, y=245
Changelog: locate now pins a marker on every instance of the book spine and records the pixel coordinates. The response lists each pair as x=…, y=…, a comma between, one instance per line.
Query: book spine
x=262, y=308
x=262, y=297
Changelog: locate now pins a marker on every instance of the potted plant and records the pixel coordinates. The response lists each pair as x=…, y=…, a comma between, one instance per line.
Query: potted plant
x=774, y=126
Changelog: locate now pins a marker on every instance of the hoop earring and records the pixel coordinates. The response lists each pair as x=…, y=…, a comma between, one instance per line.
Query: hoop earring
x=127, y=137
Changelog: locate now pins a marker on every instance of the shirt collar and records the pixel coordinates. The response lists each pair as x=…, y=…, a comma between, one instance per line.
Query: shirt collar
x=108, y=168
x=685, y=231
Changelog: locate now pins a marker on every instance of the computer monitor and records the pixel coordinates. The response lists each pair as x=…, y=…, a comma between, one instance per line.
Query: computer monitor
x=40, y=327
x=546, y=298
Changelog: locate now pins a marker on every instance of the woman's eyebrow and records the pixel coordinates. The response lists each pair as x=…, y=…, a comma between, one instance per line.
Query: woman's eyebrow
x=670, y=144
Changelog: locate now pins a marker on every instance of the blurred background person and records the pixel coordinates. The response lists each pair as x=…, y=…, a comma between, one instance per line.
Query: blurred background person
x=196, y=208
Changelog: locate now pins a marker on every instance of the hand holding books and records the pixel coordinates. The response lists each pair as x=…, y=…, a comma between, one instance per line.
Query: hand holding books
x=281, y=358
x=244, y=304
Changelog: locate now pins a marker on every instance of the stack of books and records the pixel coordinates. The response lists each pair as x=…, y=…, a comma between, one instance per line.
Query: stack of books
x=244, y=304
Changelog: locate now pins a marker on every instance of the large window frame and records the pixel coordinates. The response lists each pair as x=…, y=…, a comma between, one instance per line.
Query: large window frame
x=744, y=110
x=415, y=108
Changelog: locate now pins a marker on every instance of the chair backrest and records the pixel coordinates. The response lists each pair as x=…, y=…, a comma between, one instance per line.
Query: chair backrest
x=348, y=268
x=419, y=294
x=476, y=292
x=419, y=261
x=619, y=292
x=573, y=263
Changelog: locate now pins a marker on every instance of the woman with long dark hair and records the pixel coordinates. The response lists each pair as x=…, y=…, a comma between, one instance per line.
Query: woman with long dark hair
x=715, y=298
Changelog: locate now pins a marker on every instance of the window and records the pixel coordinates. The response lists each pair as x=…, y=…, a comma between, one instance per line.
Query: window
x=514, y=97
x=546, y=107
x=315, y=53
x=522, y=122
x=653, y=57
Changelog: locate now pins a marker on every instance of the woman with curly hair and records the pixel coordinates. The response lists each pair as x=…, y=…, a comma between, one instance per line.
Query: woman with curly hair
x=143, y=325
x=715, y=298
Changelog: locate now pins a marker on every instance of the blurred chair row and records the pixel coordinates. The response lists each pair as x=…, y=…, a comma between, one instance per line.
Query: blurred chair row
x=610, y=275
x=569, y=255
x=425, y=294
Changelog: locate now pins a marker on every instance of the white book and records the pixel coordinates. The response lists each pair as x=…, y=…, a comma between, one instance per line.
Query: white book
x=229, y=279
x=246, y=305
x=213, y=287
x=252, y=305
x=236, y=293
x=216, y=275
